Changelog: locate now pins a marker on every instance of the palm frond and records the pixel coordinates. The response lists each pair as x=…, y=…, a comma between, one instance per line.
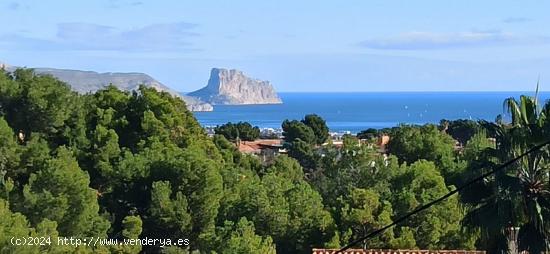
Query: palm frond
x=511, y=106
x=537, y=90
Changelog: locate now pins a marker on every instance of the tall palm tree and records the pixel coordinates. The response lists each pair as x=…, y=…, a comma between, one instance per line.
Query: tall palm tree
x=519, y=196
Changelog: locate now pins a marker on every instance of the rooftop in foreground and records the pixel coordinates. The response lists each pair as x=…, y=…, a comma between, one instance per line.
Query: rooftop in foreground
x=388, y=251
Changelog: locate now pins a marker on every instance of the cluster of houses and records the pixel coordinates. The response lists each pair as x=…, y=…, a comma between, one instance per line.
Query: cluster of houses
x=273, y=147
x=264, y=148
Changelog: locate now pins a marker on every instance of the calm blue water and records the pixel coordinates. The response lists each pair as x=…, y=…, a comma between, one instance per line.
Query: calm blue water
x=358, y=111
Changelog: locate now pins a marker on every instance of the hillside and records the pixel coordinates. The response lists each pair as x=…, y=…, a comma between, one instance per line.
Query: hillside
x=90, y=81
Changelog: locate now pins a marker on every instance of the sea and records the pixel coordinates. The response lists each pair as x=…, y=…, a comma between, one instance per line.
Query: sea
x=352, y=112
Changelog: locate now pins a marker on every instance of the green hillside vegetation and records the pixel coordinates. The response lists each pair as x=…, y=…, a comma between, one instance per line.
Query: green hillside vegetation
x=124, y=165
x=238, y=131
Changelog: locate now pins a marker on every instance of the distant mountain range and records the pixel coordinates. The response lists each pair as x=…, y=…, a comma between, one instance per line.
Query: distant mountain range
x=224, y=86
x=90, y=81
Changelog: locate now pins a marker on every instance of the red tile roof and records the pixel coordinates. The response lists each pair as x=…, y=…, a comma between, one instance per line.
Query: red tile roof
x=385, y=251
x=256, y=145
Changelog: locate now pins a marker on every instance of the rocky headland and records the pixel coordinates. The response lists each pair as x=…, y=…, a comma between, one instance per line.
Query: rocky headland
x=232, y=87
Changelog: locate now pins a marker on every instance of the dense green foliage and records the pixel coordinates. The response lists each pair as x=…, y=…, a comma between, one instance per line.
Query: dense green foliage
x=368, y=134
x=295, y=130
x=301, y=138
x=461, y=130
x=413, y=143
x=319, y=127
x=366, y=191
x=126, y=165
x=238, y=131
x=312, y=130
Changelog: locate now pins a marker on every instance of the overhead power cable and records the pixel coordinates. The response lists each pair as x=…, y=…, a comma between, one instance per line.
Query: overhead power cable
x=428, y=205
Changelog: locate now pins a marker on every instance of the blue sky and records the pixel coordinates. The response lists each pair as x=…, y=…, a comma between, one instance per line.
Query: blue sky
x=298, y=45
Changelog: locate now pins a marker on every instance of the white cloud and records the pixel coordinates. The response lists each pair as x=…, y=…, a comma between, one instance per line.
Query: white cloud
x=516, y=20
x=428, y=40
x=15, y=6
x=85, y=36
x=115, y=4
